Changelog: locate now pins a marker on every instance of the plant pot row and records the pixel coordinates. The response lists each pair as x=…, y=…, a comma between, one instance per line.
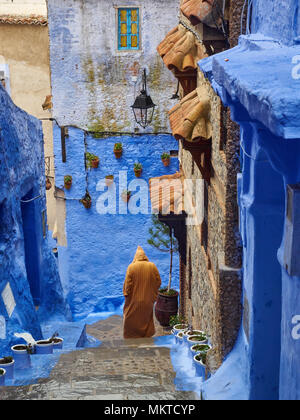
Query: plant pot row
x=22, y=356
x=198, y=344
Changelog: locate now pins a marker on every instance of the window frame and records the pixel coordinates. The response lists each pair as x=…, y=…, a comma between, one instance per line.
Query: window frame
x=129, y=34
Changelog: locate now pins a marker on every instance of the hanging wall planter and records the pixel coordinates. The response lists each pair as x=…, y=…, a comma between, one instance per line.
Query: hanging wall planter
x=68, y=182
x=109, y=180
x=87, y=201
x=2, y=376
x=165, y=157
x=48, y=184
x=138, y=169
x=118, y=150
x=8, y=364
x=126, y=196
x=92, y=160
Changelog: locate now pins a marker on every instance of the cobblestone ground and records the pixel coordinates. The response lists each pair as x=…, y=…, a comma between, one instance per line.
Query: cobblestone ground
x=117, y=370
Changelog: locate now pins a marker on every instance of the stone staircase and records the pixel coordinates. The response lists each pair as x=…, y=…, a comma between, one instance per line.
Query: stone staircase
x=117, y=370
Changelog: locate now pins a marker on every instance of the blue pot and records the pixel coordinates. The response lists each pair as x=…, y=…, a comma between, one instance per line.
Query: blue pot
x=59, y=344
x=21, y=357
x=2, y=378
x=44, y=347
x=9, y=368
x=200, y=368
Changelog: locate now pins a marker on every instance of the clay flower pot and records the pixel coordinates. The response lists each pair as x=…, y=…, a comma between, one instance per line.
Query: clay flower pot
x=95, y=163
x=109, y=180
x=48, y=184
x=138, y=169
x=126, y=196
x=68, y=180
x=87, y=201
x=118, y=150
x=165, y=157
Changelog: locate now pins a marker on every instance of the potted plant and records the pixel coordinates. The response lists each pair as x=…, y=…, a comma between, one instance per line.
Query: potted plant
x=189, y=332
x=87, y=201
x=44, y=347
x=126, y=195
x=178, y=324
x=68, y=182
x=48, y=184
x=200, y=348
x=165, y=157
x=56, y=341
x=8, y=363
x=109, y=180
x=2, y=376
x=197, y=339
x=22, y=353
x=118, y=150
x=167, y=302
x=179, y=338
x=200, y=363
x=138, y=169
x=92, y=160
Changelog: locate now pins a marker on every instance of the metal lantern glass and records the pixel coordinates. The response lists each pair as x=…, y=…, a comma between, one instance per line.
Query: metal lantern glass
x=143, y=107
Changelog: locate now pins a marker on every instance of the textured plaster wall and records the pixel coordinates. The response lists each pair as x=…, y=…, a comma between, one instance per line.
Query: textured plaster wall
x=21, y=170
x=264, y=101
x=93, y=83
x=25, y=51
x=100, y=247
x=279, y=20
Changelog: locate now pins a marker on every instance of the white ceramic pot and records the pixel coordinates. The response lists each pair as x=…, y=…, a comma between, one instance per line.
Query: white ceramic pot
x=191, y=340
x=177, y=330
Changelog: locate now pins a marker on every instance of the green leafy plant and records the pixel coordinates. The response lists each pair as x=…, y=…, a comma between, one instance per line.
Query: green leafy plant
x=165, y=156
x=177, y=320
x=138, y=166
x=201, y=347
x=118, y=147
x=199, y=337
x=92, y=160
x=161, y=238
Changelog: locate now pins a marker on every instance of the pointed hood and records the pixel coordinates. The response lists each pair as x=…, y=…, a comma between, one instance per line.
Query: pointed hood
x=140, y=255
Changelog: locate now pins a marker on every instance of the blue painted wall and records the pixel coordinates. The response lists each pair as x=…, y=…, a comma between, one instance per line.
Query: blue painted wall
x=100, y=247
x=277, y=19
x=22, y=172
x=256, y=81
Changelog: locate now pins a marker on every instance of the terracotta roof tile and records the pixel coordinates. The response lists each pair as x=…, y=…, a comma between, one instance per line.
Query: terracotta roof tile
x=180, y=50
x=202, y=11
x=21, y=20
x=167, y=194
x=190, y=118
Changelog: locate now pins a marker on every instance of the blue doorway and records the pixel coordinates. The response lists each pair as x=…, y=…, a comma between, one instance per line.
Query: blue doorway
x=31, y=245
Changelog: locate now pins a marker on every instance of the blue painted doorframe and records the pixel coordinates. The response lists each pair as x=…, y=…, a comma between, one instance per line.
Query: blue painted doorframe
x=31, y=245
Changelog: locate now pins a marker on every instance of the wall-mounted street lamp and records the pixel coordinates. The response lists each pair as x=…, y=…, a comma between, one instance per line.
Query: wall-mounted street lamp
x=143, y=107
